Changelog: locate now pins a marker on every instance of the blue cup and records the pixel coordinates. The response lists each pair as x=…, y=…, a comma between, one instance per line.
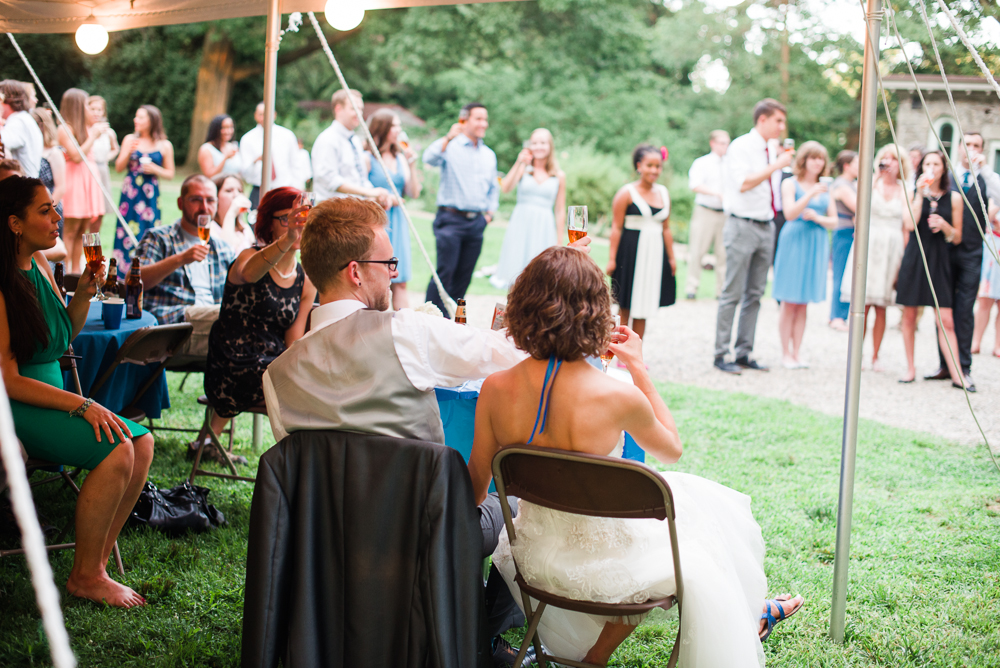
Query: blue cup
x=112, y=311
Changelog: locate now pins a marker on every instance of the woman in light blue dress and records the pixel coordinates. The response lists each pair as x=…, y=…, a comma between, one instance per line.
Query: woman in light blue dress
x=803, y=248
x=539, y=218
x=399, y=159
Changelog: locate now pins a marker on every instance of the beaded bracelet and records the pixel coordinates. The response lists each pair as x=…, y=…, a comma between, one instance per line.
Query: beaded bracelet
x=81, y=409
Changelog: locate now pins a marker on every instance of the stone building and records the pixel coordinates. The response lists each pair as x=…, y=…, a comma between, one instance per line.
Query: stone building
x=975, y=100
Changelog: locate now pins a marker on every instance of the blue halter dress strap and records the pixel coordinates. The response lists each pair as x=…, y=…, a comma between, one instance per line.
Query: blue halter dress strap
x=543, y=402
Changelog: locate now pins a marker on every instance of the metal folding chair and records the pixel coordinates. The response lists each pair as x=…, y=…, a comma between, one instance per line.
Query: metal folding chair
x=215, y=443
x=584, y=485
x=149, y=345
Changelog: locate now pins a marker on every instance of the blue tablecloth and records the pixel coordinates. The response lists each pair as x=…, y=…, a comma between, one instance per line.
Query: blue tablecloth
x=458, y=413
x=98, y=347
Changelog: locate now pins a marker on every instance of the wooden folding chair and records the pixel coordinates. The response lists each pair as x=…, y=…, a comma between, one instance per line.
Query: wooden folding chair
x=584, y=485
x=149, y=345
x=215, y=443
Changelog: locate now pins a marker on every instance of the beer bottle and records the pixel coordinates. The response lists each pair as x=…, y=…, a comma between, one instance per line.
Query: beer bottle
x=133, y=291
x=460, y=313
x=111, y=282
x=60, y=280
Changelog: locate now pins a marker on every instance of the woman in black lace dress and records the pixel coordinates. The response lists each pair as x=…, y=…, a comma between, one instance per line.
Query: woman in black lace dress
x=264, y=310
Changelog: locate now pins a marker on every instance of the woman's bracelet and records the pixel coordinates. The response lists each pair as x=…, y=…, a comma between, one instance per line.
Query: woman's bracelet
x=81, y=409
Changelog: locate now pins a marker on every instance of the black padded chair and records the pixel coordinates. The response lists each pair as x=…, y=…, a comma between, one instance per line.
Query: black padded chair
x=584, y=485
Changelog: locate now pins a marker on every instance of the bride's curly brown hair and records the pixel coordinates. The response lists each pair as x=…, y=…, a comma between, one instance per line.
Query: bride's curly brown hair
x=560, y=306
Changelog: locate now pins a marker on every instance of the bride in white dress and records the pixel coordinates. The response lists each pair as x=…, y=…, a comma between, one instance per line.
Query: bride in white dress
x=559, y=311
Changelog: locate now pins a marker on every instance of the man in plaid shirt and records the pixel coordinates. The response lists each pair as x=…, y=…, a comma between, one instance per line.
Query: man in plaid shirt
x=180, y=274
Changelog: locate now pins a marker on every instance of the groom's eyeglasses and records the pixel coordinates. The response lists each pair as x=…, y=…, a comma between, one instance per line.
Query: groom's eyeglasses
x=391, y=263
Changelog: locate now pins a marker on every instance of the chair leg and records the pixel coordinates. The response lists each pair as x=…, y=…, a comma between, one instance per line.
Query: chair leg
x=184, y=380
x=532, y=633
x=675, y=652
x=118, y=559
x=232, y=433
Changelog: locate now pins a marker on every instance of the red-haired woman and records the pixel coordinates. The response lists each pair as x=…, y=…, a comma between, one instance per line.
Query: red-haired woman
x=264, y=309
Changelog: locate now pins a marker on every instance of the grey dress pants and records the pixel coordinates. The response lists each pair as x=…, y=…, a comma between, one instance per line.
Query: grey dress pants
x=749, y=245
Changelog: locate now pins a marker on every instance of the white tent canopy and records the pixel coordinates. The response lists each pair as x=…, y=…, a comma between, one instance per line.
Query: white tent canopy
x=51, y=16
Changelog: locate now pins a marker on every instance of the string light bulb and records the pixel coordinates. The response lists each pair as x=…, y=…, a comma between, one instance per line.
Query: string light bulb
x=344, y=15
x=92, y=37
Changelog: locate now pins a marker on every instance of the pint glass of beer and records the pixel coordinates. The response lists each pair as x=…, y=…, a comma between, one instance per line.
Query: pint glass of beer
x=95, y=259
x=576, y=222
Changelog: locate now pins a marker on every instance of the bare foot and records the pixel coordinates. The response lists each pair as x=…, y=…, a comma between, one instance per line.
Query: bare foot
x=103, y=588
x=788, y=604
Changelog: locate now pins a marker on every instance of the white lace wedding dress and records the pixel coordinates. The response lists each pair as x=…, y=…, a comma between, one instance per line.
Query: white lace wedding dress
x=614, y=560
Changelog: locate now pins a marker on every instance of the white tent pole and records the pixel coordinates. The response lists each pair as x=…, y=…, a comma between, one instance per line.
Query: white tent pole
x=856, y=320
x=270, y=83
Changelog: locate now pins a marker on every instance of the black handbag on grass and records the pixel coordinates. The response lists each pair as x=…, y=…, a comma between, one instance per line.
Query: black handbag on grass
x=182, y=508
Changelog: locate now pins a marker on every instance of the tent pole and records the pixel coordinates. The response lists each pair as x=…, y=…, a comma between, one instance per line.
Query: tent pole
x=856, y=320
x=270, y=83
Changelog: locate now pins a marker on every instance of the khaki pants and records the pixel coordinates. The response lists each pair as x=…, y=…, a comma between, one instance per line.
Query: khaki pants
x=196, y=348
x=705, y=228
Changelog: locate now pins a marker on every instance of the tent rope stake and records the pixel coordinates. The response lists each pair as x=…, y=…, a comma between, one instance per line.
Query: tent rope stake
x=449, y=303
x=72, y=137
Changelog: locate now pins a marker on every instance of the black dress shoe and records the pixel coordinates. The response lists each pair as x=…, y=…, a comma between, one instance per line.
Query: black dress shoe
x=969, y=385
x=747, y=363
x=940, y=374
x=504, y=654
x=722, y=365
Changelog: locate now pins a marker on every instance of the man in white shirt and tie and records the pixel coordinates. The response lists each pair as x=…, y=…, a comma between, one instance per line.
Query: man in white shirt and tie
x=748, y=198
x=707, y=219
x=338, y=163
x=284, y=146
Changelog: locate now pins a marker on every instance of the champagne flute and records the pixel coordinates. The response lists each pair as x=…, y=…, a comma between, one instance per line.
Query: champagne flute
x=615, y=336
x=95, y=258
x=204, y=228
x=576, y=222
x=307, y=200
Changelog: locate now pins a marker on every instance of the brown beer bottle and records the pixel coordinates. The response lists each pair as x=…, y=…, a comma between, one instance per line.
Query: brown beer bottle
x=133, y=291
x=61, y=280
x=460, y=313
x=111, y=282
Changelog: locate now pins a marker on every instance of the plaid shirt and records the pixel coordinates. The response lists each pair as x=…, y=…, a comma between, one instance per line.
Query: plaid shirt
x=167, y=299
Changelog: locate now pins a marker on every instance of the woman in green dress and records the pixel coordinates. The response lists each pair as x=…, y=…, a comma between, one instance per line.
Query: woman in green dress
x=35, y=330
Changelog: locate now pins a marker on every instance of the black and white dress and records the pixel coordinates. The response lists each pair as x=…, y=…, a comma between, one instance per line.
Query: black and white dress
x=247, y=337
x=642, y=280
x=912, y=288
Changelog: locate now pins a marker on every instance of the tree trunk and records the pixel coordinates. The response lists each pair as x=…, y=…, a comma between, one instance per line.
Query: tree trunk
x=215, y=84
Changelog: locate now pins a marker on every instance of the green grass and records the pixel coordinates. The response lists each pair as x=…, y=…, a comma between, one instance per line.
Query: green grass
x=925, y=568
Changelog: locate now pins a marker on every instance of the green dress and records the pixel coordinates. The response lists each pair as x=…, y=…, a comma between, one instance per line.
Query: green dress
x=47, y=433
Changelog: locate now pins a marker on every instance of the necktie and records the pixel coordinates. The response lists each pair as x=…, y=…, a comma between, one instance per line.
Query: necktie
x=770, y=183
x=966, y=182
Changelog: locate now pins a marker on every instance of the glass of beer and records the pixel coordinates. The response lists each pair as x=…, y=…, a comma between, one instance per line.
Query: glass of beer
x=307, y=201
x=95, y=258
x=576, y=222
x=607, y=354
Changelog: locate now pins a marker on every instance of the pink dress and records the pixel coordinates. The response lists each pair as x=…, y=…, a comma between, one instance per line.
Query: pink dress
x=83, y=198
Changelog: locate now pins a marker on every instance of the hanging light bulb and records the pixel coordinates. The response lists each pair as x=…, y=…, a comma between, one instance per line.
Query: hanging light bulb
x=91, y=37
x=344, y=14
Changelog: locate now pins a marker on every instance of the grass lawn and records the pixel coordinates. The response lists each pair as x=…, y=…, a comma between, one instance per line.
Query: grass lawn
x=925, y=571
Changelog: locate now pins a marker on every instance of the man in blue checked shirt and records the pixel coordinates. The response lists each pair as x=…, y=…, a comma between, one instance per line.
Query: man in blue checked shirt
x=467, y=198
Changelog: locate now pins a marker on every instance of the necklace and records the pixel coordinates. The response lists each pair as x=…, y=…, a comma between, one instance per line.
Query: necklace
x=284, y=276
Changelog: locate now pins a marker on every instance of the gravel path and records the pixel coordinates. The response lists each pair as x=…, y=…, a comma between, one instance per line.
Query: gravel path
x=679, y=348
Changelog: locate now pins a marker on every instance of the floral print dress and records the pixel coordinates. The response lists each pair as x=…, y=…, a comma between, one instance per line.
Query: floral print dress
x=139, y=205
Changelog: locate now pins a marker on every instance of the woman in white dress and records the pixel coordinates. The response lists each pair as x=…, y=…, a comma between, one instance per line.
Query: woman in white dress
x=539, y=218
x=219, y=154
x=105, y=149
x=559, y=311
x=642, y=264
x=230, y=223
x=886, y=239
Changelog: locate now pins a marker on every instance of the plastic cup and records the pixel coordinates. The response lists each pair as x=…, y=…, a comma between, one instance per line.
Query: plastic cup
x=112, y=311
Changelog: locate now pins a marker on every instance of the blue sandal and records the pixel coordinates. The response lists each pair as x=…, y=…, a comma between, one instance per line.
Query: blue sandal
x=769, y=617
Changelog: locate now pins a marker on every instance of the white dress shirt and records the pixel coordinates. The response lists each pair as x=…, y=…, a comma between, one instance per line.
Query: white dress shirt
x=23, y=141
x=748, y=155
x=284, y=146
x=337, y=159
x=433, y=351
x=707, y=171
